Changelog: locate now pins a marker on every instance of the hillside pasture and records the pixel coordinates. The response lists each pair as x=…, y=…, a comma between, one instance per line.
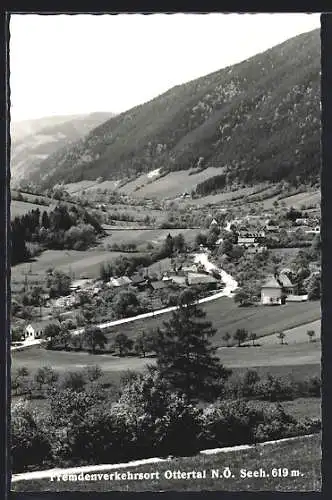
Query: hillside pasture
x=87, y=263
x=221, y=198
x=295, y=335
x=78, y=187
x=226, y=316
x=154, y=236
x=169, y=186
x=270, y=357
x=73, y=262
x=296, y=200
x=31, y=197
x=19, y=208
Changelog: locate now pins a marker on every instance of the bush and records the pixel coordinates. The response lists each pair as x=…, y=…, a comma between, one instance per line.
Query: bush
x=74, y=381
x=311, y=387
x=30, y=446
x=274, y=389
x=244, y=422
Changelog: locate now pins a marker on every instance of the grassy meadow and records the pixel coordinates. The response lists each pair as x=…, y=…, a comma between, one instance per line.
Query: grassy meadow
x=226, y=316
x=300, y=458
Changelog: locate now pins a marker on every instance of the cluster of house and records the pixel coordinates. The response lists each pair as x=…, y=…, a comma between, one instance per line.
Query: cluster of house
x=192, y=275
x=252, y=242
x=180, y=275
x=279, y=289
x=88, y=286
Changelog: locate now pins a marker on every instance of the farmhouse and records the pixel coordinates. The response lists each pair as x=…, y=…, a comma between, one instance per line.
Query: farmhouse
x=159, y=285
x=250, y=239
x=34, y=330
x=314, y=230
x=140, y=282
x=201, y=279
x=214, y=223
x=81, y=284
x=119, y=282
x=287, y=286
x=271, y=292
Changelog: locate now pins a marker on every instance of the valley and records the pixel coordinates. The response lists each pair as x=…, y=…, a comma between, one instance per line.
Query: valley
x=166, y=273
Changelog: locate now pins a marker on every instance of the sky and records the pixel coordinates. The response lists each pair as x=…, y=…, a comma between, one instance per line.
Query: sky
x=75, y=64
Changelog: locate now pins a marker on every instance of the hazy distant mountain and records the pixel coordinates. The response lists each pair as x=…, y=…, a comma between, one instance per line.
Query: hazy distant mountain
x=257, y=120
x=34, y=140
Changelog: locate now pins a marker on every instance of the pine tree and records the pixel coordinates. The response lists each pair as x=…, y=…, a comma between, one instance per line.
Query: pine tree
x=185, y=356
x=45, y=220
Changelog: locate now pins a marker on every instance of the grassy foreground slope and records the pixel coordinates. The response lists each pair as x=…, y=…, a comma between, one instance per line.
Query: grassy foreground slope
x=300, y=460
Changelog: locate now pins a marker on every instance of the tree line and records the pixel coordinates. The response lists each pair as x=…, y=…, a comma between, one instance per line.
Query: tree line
x=61, y=228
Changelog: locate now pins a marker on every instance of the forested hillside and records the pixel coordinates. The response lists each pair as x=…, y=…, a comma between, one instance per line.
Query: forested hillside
x=34, y=140
x=258, y=120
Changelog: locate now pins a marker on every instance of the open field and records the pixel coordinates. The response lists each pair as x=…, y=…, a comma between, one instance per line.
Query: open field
x=296, y=201
x=220, y=198
x=226, y=316
x=137, y=211
x=18, y=208
x=244, y=357
x=78, y=187
x=295, y=335
x=154, y=236
x=88, y=262
x=170, y=186
x=302, y=454
x=304, y=407
x=74, y=262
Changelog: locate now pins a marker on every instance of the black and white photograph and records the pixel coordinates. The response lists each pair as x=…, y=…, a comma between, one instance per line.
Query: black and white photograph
x=165, y=252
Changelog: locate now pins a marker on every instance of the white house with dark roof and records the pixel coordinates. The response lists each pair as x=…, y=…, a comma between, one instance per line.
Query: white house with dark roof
x=271, y=292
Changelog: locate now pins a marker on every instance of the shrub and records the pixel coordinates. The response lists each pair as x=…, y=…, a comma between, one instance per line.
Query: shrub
x=274, y=389
x=30, y=446
x=74, y=381
x=241, y=422
x=309, y=387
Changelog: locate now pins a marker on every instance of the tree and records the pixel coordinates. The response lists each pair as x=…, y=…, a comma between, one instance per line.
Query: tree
x=74, y=381
x=281, y=336
x=93, y=372
x=201, y=239
x=226, y=337
x=45, y=220
x=187, y=297
x=45, y=376
x=242, y=297
x=88, y=312
x=126, y=304
x=240, y=336
x=314, y=287
x=179, y=243
x=51, y=334
x=253, y=337
x=20, y=381
x=144, y=343
x=94, y=337
x=168, y=246
x=311, y=334
x=65, y=336
x=30, y=445
x=211, y=239
x=185, y=356
x=123, y=344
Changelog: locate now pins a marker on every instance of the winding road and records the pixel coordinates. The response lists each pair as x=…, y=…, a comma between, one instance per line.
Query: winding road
x=200, y=258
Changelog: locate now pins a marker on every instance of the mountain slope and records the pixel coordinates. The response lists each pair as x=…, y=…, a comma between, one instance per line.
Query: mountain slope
x=34, y=140
x=255, y=121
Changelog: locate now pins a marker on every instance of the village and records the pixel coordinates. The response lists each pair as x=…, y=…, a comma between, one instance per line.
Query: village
x=202, y=266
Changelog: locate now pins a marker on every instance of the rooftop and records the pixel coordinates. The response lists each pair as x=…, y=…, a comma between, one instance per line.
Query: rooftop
x=271, y=282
